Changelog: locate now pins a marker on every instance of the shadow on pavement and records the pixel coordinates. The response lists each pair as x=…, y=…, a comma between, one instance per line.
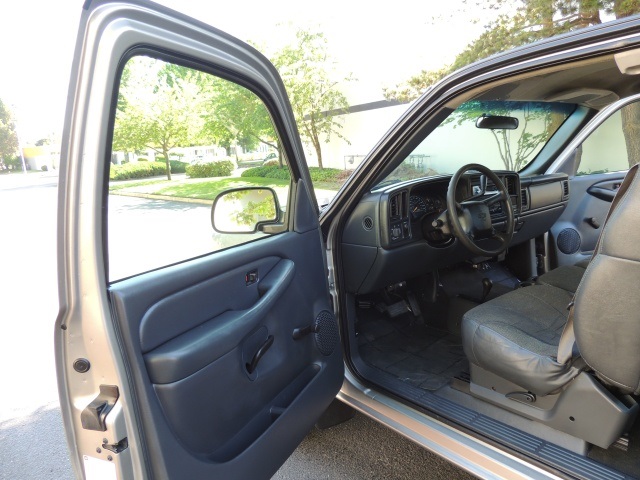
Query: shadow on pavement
x=34, y=446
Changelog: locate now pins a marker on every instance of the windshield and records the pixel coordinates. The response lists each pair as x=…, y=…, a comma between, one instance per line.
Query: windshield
x=457, y=141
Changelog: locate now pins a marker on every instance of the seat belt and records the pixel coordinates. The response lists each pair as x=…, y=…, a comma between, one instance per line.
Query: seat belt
x=568, y=338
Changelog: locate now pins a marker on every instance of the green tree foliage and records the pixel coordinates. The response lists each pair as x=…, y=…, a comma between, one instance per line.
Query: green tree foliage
x=522, y=22
x=236, y=116
x=314, y=95
x=159, y=108
x=8, y=136
x=537, y=122
x=526, y=22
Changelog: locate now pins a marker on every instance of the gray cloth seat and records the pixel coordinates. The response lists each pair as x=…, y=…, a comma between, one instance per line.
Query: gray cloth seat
x=520, y=335
x=566, y=277
x=516, y=336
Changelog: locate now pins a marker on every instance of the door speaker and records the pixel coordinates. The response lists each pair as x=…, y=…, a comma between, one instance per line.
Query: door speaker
x=327, y=335
x=568, y=241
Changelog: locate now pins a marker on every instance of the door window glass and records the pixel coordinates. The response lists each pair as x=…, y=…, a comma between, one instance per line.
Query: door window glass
x=181, y=137
x=614, y=146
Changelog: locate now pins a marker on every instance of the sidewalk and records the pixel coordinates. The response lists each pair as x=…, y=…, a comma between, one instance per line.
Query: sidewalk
x=18, y=179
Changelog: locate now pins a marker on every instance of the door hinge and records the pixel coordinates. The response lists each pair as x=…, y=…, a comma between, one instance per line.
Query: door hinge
x=93, y=417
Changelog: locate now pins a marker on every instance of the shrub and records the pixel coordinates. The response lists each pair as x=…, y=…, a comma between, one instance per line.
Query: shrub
x=136, y=170
x=267, y=172
x=324, y=174
x=143, y=159
x=317, y=174
x=175, y=165
x=222, y=168
x=271, y=163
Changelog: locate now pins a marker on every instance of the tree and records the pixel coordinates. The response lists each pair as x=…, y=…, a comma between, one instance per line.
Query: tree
x=538, y=121
x=314, y=96
x=8, y=135
x=160, y=107
x=236, y=116
x=532, y=20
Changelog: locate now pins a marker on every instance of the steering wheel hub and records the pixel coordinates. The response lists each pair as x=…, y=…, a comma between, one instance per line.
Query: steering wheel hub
x=470, y=220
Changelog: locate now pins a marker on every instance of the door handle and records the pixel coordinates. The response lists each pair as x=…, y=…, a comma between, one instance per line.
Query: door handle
x=251, y=366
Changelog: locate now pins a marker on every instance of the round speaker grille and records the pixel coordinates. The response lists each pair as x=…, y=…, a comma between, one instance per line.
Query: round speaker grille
x=367, y=223
x=328, y=336
x=569, y=241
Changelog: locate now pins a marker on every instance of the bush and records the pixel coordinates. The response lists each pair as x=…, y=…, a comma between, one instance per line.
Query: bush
x=143, y=159
x=271, y=163
x=317, y=174
x=136, y=170
x=222, y=168
x=175, y=165
x=267, y=172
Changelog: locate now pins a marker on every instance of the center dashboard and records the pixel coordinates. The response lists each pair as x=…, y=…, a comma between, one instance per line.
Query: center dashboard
x=390, y=235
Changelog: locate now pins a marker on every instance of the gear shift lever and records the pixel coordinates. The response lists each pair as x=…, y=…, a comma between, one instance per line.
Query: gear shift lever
x=486, y=288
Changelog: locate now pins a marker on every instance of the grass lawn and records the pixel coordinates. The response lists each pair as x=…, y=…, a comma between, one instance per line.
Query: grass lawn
x=141, y=183
x=208, y=190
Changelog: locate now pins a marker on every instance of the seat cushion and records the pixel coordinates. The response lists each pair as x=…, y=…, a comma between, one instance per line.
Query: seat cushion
x=566, y=277
x=516, y=337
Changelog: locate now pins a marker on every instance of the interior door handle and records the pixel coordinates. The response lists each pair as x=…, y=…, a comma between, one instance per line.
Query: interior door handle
x=251, y=366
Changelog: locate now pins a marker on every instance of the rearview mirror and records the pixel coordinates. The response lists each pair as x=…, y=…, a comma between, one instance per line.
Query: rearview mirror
x=244, y=210
x=497, y=122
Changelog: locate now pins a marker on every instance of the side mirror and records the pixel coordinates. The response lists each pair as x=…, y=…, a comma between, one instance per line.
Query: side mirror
x=497, y=122
x=244, y=210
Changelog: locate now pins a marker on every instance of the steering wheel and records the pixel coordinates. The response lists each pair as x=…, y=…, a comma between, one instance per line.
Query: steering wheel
x=470, y=221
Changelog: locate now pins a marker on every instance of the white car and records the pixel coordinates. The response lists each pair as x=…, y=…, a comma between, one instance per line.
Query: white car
x=432, y=293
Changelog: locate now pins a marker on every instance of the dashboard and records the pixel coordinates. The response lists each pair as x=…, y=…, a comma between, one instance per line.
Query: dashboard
x=392, y=234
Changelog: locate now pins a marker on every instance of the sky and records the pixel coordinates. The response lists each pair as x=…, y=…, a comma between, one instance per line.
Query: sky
x=380, y=45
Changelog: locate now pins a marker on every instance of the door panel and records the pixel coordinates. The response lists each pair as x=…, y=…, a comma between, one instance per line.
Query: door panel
x=216, y=363
x=574, y=236
x=191, y=330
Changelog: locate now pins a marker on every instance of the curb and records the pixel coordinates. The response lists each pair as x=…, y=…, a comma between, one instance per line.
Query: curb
x=151, y=196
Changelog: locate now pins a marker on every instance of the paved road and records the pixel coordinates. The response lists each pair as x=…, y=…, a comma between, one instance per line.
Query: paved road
x=32, y=444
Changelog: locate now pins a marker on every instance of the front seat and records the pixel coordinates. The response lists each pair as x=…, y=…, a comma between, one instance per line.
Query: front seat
x=573, y=372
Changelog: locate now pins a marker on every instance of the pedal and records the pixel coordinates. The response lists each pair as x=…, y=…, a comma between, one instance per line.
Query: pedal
x=397, y=309
x=622, y=443
x=413, y=304
x=365, y=304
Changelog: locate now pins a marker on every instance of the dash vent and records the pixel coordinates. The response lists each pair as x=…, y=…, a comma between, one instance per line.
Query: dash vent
x=565, y=189
x=524, y=199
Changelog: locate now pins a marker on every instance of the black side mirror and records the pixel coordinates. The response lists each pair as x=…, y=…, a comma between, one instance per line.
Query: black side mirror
x=245, y=210
x=497, y=122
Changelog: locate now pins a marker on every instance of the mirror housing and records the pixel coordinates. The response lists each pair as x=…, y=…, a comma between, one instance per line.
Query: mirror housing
x=497, y=122
x=245, y=210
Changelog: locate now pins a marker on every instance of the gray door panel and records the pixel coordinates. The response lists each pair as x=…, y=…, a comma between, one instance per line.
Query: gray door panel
x=191, y=330
x=574, y=236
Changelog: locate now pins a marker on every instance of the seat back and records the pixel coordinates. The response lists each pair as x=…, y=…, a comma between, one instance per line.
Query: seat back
x=606, y=316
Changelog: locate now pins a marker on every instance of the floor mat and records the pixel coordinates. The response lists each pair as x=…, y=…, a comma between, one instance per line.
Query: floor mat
x=421, y=355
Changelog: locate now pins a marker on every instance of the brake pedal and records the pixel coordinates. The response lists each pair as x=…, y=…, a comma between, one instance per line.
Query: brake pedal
x=397, y=309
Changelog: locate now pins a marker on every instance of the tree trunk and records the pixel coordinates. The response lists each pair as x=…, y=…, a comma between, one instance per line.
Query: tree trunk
x=316, y=144
x=630, y=116
x=280, y=156
x=165, y=152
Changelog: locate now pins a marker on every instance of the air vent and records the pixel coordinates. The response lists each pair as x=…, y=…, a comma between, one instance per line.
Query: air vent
x=398, y=205
x=524, y=200
x=394, y=206
x=565, y=189
x=367, y=223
